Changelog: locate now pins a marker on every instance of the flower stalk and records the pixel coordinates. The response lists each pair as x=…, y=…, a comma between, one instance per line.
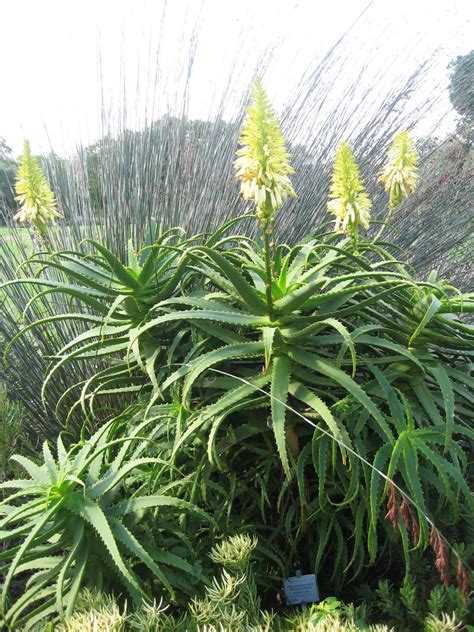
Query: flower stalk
x=37, y=201
x=262, y=166
x=268, y=252
x=399, y=175
x=348, y=202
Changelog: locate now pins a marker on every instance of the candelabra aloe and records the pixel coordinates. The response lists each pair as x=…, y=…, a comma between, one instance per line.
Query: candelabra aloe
x=118, y=298
x=310, y=371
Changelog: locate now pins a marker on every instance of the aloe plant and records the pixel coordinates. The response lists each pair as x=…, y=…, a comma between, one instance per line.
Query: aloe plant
x=303, y=385
x=113, y=300
x=77, y=520
x=340, y=331
x=110, y=300
x=327, y=351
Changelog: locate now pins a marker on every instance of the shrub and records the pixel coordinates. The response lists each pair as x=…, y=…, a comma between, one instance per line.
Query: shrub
x=80, y=519
x=109, y=301
x=316, y=394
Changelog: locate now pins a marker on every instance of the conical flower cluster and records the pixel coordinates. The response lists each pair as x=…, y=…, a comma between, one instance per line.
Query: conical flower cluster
x=235, y=552
x=263, y=165
x=37, y=201
x=400, y=173
x=348, y=200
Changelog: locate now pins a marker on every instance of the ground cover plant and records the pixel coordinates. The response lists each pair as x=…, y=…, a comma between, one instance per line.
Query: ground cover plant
x=315, y=395
x=231, y=603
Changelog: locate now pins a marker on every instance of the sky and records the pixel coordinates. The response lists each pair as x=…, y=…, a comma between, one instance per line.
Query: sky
x=65, y=63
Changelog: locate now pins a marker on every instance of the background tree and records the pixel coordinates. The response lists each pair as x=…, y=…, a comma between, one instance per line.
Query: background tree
x=461, y=93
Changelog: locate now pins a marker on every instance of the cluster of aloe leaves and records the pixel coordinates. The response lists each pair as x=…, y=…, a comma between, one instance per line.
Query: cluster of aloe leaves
x=77, y=520
x=284, y=389
x=377, y=361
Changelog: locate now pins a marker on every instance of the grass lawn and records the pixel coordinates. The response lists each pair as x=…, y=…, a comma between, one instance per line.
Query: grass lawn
x=8, y=239
x=5, y=231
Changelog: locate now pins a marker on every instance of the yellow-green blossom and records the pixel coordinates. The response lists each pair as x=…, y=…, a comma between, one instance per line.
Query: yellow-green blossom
x=399, y=174
x=234, y=553
x=107, y=618
x=37, y=201
x=348, y=200
x=263, y=165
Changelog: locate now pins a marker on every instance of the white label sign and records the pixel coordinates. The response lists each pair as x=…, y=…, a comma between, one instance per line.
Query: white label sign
x=301, y=589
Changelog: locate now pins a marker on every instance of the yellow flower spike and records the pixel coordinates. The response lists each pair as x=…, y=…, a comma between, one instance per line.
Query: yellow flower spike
x=400, y=173
x=348, y=200
x=262, y=163
x=37, y=201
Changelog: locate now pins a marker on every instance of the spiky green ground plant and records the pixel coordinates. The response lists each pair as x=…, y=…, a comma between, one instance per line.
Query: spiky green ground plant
x=82, y=518
x=231, y=603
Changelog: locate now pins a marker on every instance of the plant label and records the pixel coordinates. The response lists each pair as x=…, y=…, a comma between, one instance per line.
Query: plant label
x=301, y=589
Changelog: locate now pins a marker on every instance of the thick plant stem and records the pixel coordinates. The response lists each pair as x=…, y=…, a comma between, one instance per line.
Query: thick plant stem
x=267, y=232
x=354, y=232
x=39, y=238
x=36, y=239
